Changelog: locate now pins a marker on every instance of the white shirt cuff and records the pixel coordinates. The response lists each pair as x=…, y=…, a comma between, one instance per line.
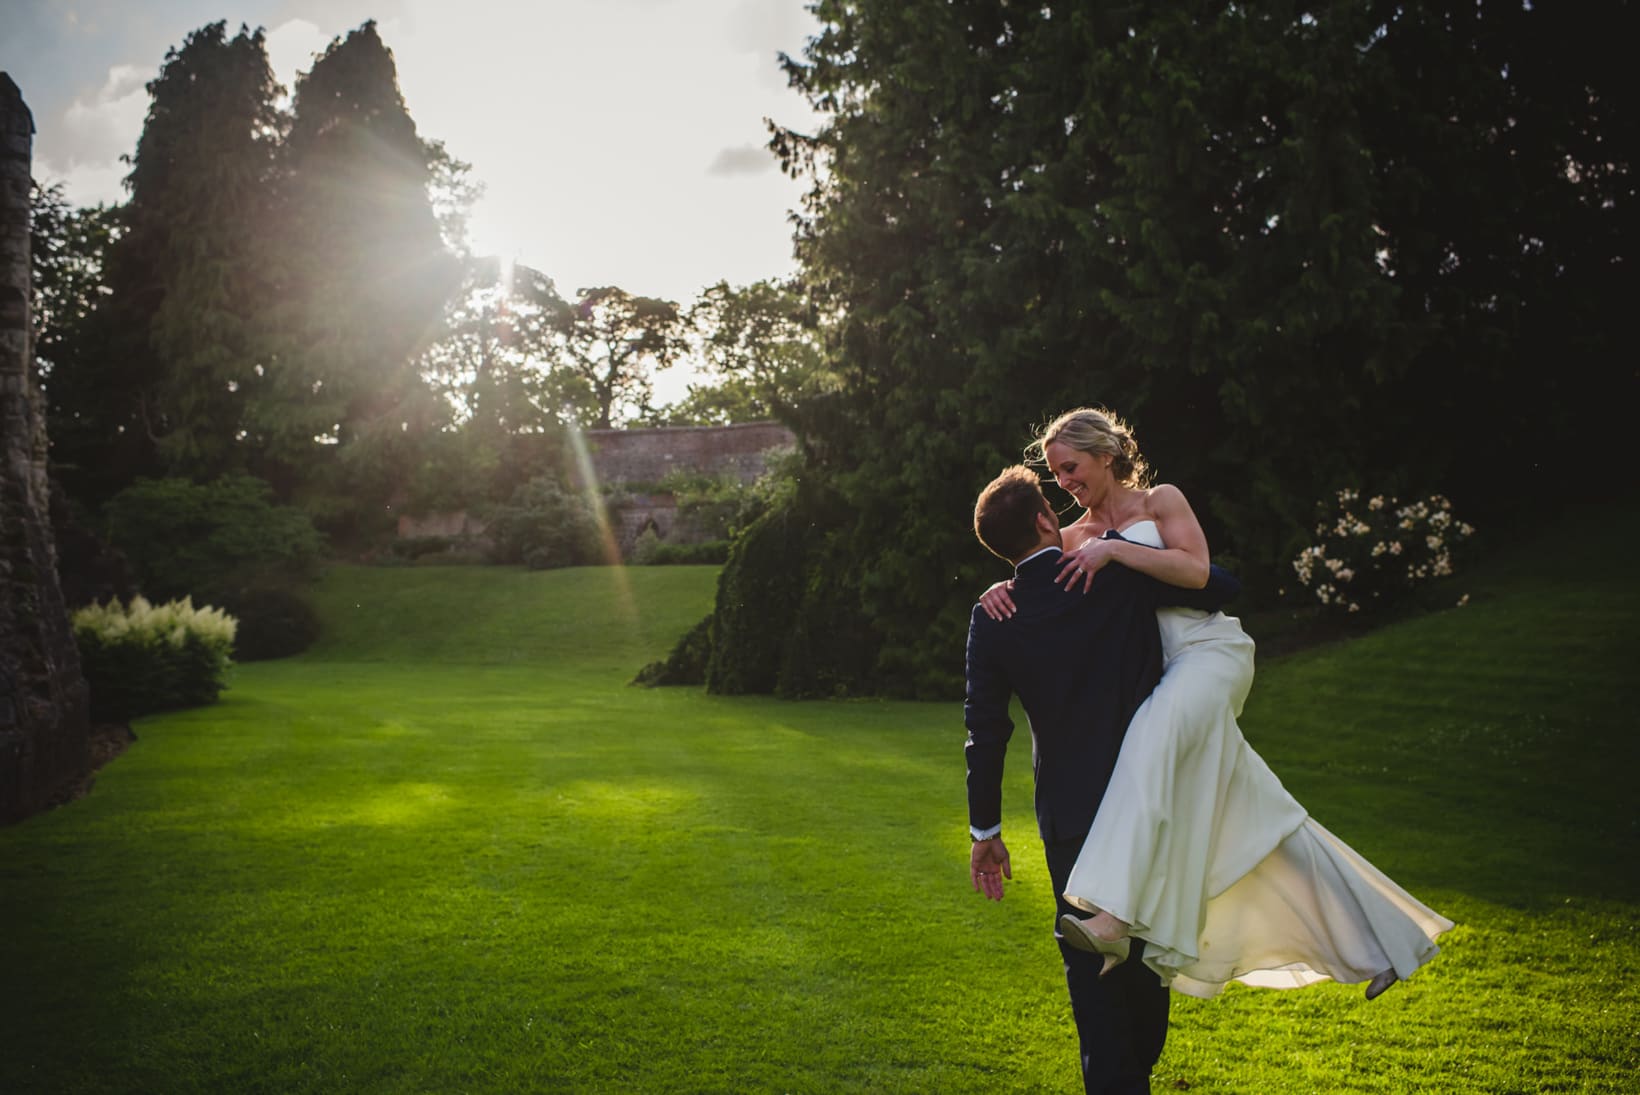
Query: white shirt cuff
x=985, y=834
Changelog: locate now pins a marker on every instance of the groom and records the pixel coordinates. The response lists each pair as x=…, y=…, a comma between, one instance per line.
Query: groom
x=1081, y=664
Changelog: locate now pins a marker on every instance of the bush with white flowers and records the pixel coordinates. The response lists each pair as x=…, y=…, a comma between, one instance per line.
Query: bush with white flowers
x=1369, y=552
x=140, y=658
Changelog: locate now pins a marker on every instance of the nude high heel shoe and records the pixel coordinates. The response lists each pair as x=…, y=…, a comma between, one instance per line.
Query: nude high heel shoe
x=1079, y=935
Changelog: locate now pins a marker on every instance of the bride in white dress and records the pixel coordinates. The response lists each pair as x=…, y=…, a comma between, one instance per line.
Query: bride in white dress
x=1197, y=848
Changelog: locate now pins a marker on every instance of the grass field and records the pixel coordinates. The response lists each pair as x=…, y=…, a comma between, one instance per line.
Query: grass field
x=451, y=850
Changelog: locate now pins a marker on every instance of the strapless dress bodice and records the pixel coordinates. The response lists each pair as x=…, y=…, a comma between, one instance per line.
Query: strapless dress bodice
x=1183, y=627
x=1143, y=532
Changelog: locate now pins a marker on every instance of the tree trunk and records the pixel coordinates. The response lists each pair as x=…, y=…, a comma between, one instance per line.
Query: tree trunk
x=44, y=725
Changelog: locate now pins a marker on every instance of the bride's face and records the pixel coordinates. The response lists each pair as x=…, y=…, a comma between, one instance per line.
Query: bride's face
x=1085, y=476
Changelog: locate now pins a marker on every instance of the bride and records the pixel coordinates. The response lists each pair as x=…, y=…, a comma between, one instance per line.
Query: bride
x=1197, y=848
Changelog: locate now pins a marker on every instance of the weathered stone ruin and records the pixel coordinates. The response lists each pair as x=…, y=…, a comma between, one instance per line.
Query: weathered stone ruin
x=44, y=724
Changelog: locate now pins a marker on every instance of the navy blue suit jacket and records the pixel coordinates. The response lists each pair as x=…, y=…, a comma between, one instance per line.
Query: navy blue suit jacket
x=1081, y=664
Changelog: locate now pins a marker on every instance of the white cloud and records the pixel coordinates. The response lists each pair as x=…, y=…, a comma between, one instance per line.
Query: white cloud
x=85, y=183
x=114, y=111
x=746, y=159
x=95, y=130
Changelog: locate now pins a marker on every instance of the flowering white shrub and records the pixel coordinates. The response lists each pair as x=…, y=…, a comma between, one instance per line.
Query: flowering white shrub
x=1371, y=551
x=142, y=657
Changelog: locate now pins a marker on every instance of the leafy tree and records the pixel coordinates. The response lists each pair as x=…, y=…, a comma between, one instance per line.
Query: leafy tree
x=1228, y=222
x=491, y=360
x=491, y=368
x=187, y=276
x=210, y=540
x=86, y=407
x=761, y=352
x=1503, y=156
x=609, y=344
x=69, y=247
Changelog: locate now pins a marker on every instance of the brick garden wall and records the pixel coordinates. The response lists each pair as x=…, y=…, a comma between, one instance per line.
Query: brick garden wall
x=649, y=455
x=643, y=457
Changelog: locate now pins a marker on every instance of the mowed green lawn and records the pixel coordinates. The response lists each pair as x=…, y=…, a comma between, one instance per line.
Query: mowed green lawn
x=451, y=850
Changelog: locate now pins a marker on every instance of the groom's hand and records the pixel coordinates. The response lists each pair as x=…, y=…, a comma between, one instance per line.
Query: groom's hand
x=988, y=865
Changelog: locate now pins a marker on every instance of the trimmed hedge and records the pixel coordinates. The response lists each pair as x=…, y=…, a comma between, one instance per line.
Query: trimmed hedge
x=651, y=550
x=141, y=658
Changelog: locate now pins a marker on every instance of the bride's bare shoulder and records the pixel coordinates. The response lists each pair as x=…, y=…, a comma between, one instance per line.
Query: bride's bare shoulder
x=1164, y=499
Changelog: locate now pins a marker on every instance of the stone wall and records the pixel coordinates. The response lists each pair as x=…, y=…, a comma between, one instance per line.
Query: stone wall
x=44, y=725
x=646, y=456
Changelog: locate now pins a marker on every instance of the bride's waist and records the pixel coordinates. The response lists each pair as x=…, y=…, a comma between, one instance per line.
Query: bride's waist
x=1186, y=626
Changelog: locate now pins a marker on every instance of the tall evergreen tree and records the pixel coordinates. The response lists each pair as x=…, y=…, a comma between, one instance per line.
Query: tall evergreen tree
x=365, y=269
x=187, y=274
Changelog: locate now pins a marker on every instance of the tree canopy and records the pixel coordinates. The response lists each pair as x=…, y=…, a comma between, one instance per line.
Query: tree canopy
x=1300, y=246
x=612, y=343
x=189, y=271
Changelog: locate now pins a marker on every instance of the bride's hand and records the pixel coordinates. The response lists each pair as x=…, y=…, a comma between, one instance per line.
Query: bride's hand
x=1083, y=563
x=996, y=602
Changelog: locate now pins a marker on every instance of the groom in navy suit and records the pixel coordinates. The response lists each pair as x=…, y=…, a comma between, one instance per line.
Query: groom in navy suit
x=1081, y=664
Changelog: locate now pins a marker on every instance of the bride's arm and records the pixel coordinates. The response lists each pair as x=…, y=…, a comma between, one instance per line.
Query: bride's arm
x=1183, y=562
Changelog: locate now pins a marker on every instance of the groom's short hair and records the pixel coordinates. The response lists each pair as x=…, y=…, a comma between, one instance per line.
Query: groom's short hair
x=1005, y=514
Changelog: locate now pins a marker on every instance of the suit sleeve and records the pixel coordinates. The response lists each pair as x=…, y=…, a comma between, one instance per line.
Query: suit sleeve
x=1222, y=588
x=985, y=712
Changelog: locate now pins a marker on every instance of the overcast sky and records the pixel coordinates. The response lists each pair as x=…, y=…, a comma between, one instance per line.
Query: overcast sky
x=620, y=141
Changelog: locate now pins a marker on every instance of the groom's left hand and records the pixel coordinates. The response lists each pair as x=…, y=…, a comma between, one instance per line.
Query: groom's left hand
x=988, y=865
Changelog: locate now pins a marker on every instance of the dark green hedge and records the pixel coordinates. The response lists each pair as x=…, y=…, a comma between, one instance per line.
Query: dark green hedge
x=687, y=662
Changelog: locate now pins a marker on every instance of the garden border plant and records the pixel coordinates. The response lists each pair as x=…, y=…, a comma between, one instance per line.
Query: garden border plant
x=140, y=658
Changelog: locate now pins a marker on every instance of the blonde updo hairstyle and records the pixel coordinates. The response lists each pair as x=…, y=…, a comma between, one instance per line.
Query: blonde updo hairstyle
x=1096, y=430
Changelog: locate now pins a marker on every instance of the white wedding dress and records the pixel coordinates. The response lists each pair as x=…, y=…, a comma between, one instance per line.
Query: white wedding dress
x=1200, y=849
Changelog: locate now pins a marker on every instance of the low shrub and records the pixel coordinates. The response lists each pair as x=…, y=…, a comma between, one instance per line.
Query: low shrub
x=274, y=622
x=139, y=658
x=470, y=556
x=414, y=547
x=651, y=550
x=546, y=525
x=718, y=507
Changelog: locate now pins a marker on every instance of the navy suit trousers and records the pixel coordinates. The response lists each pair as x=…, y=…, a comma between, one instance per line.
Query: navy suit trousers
x=1121, y=1019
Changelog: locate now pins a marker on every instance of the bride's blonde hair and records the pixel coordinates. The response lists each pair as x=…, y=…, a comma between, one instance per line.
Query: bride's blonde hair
x=1096, y=430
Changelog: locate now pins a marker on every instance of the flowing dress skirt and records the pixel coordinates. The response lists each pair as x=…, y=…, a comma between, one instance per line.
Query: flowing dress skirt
x=1200, y=849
